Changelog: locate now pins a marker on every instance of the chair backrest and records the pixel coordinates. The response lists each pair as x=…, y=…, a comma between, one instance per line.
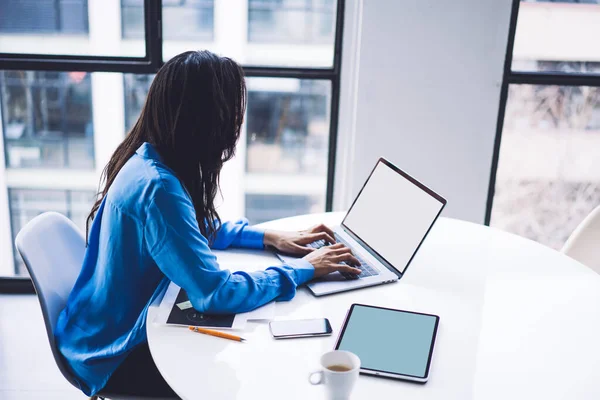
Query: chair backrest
x=584, y=243
x=52, y=248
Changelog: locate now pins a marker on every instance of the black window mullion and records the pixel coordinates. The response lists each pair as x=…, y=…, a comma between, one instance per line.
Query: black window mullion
x=502, y=108
x=153, y=15
x=335, y=104
x=285, y=72
x=554, y=78
x=38, y=62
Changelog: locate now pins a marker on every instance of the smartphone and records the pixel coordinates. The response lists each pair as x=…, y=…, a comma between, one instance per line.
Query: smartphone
x=300, y=328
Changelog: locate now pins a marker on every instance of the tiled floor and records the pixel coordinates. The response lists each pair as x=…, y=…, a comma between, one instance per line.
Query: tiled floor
x=27, y=368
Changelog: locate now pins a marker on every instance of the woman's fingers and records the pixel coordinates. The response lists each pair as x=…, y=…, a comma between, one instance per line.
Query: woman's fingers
x=303, y=250
x=323, y=236
x=348, y=258
x=346, y=268
x=322, y=228
x=340, y=250
x=313, y=237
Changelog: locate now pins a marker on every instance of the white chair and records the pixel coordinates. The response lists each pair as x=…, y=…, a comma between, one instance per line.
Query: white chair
x=584, y=243
x=52, y=248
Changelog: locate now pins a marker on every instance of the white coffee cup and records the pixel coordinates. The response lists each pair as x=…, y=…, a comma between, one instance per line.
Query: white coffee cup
x=338, y=382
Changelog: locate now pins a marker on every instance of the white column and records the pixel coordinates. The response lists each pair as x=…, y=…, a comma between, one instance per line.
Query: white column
x=108, y=107
x=231, y=24
x=231, y=27
x=105, y=27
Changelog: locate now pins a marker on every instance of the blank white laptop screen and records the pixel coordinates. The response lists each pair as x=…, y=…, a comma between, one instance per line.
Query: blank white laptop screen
x=392, y=215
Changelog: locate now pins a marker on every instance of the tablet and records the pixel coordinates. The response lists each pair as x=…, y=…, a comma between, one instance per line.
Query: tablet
x=392, y=343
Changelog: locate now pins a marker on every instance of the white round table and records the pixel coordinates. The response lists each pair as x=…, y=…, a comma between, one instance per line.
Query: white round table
x=517, y=320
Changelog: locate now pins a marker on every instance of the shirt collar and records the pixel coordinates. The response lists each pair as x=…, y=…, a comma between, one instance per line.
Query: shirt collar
x=146, y=150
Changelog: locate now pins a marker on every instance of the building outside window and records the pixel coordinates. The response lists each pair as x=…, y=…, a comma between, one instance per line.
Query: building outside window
x=136, y=89
x=288, y=132
x=44, y=16
x=262, y=208
x=291, y=21
x=47, y=119
x=182, y=19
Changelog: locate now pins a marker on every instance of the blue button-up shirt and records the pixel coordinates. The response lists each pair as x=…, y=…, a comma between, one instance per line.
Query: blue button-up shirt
x=144, y=235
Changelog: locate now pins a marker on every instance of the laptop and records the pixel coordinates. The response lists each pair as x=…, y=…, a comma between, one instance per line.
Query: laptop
x=384, y=227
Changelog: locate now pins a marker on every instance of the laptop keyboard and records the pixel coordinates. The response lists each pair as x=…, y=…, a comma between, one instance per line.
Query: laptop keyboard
x=366, y=269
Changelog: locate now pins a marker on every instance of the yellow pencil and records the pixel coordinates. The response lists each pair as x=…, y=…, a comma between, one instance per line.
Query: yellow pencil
x=217, y=334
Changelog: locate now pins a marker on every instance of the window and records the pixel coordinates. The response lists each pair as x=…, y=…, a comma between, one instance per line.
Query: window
x=548, y=171
x=70, y=27
x=47, y=119
x=44, y=16
x=262, y=208
x=558, y=36
x=69, y=98
x=291, y=21
x=182, y=19
x=26, y=204
x=290, y=33
x=288, y=126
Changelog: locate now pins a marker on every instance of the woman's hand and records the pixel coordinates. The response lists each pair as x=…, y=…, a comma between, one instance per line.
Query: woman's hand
x=295, y=242
x=328, y=259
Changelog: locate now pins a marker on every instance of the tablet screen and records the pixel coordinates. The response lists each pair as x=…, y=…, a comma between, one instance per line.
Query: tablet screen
x=392, y=341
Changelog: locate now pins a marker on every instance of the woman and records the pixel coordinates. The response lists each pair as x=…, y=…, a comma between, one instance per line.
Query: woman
x=155, y=222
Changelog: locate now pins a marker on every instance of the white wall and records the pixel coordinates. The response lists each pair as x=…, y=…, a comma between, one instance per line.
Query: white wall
x=421, y=86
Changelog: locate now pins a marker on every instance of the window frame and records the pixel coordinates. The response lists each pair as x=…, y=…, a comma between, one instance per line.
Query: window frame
x=151, y=63
x=510, y=77
x=50, y=62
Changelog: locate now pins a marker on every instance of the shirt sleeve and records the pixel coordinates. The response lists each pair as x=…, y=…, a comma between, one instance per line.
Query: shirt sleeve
x=238, y=234
x=182, y=253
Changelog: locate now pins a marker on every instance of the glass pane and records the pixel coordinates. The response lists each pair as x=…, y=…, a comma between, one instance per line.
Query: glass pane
x=287, y=143
x=288, y=126
x=558, y=36
x=136, y=89
x=71, y=27
x=26, y=204
x=253, y=32
x=548, y=175
x=49, y=158
x=263, y=208
x=47, y=119
x=291, y=22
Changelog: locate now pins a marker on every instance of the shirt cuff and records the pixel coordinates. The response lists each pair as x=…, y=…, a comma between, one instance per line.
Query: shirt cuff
x=303, y=270
x=252, y=238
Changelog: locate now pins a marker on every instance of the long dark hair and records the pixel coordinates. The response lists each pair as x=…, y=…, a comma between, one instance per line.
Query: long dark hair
x=192, y=116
